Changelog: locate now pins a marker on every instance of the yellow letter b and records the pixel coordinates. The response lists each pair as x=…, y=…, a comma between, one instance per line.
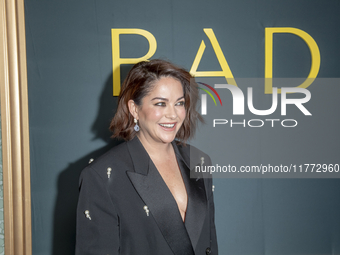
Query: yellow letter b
x=117, y=60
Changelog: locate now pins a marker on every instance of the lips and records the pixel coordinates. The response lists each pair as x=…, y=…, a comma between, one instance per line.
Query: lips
x=168, y=126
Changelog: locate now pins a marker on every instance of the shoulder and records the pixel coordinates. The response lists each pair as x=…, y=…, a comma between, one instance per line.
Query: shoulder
x=196, y=159
x=117, y=152
x=113, y=161
x=192, y=153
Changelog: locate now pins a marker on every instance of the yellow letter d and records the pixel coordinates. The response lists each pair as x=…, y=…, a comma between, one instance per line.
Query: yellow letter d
x=313, y=47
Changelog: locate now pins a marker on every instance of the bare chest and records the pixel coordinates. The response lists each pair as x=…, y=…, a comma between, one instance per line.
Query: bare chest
x=172, y=176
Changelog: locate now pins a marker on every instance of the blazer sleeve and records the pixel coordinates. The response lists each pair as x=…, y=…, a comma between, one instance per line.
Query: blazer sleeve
x=211, y=206
x=97, y=220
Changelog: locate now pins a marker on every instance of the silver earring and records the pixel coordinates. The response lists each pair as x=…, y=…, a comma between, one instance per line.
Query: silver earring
x=136, y=127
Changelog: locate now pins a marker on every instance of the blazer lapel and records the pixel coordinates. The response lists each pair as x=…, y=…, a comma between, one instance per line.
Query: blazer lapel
x=156, y=195
x=197, y=202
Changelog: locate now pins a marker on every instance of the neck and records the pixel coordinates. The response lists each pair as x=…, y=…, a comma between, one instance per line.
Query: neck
x=155, y=149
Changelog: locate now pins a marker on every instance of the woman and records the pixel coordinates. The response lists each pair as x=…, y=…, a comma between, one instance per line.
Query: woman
x=138, y=198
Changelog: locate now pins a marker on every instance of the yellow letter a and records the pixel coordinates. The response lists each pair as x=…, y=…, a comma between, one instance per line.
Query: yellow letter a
x=226, y=72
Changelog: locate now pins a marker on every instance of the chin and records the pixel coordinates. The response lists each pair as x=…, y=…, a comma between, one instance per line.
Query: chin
x=168, y=139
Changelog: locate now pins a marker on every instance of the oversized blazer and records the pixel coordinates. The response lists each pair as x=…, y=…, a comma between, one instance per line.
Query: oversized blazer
x=125, y=207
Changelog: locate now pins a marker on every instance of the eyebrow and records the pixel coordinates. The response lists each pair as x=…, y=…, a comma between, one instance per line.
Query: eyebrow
x=165, y=99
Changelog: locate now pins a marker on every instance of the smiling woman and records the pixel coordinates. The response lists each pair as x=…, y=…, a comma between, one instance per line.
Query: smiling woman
x=162, y=111
x=138, y=198
x=140, y=81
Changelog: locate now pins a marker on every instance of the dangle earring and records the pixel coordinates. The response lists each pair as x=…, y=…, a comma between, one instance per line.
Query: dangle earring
x=136, y=127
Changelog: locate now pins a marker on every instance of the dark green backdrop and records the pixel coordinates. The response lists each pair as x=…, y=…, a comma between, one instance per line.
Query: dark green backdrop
x=71, y=103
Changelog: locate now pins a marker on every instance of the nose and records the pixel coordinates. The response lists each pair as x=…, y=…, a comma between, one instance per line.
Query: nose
x=171, y=112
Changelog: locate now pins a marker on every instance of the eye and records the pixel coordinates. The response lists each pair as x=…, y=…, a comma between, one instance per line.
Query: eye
x=160, y=104
x=180, y=103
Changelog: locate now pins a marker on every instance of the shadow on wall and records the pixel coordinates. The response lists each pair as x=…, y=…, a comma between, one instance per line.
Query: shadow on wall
x=64, y=220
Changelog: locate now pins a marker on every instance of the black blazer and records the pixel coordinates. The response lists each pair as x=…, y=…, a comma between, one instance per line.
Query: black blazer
x=130, y=210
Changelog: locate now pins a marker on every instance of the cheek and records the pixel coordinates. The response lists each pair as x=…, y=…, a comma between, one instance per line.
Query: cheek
x=153, y=114
x=182, y=114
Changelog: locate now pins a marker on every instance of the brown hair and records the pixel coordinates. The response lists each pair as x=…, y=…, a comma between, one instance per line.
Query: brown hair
x=139, y=82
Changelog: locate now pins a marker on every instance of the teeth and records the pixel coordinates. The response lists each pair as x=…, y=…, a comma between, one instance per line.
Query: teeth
x=167, y=125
